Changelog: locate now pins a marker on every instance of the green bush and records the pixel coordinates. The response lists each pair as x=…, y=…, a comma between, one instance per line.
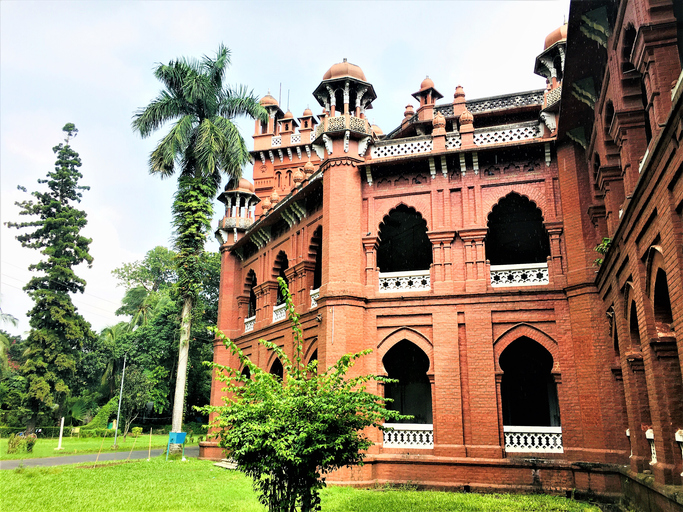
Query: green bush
x=30, y=442
x=136, y=431
x=16, y=444
x=101, y=419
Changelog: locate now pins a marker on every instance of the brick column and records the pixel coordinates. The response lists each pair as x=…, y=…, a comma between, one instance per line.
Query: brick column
x=442, y=274
x=476, y=268
x=555, y=263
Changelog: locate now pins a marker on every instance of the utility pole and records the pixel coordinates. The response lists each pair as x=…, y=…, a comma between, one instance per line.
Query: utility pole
x=123, y=376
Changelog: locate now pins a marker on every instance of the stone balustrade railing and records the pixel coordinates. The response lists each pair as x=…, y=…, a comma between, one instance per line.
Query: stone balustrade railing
x=407, y=281
x=409, y=435
x=315, y=295
x=507, y=133
x=527, y=274
x=276, y=141
x=342, y=123
x=410, y=146
x=249, y=323
x=533, y=439
x=279, y=312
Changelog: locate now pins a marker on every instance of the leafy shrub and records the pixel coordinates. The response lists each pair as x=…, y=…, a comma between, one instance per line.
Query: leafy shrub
x=195, y=428
x=16, y=444
x=102, y=417
x=136, y=431
x=30, y=442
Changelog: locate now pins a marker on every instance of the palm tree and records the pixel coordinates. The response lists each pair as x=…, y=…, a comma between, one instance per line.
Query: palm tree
x=202, y=144
x=111, y=338
x=5, y=318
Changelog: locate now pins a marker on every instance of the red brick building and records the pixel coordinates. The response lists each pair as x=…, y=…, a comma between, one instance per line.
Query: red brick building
x=460, y=247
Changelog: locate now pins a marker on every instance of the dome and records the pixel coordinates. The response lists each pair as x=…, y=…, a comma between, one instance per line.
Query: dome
x=298, y=176
x=427, y=83
x=307, y=112
x=466, y=117
x=343, y=69
x=459, y=92
x=274, y=197
x=439, y=121
x=377, y=130
x=242, y=185
x=559, y=34
x=288, y=115
x=265, y=205
x=268, y=101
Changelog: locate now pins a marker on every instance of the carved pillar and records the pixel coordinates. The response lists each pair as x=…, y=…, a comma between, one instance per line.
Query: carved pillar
x=370, y=246
x=476, y=267
x=499, y=401
x=442, y=274
x=304, y=272
x=628, y=131
x=243, y=308
x=266, y=297
x=555, y=264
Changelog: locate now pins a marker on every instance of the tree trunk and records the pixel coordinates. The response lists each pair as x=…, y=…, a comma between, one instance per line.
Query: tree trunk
x=181, y=377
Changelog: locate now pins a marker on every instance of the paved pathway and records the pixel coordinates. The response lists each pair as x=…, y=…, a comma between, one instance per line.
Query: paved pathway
x=191, y=451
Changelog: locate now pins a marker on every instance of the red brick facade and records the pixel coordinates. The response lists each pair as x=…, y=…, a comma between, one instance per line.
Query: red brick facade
x=530, y=373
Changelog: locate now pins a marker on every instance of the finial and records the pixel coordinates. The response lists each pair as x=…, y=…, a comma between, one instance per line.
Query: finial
x=345, y=59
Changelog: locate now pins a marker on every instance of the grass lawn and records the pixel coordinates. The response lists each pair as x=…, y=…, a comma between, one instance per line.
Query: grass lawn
x=199, y=486
x=75, y=446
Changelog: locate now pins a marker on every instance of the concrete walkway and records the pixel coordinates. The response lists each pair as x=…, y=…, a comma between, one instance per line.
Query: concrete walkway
x=191, y=451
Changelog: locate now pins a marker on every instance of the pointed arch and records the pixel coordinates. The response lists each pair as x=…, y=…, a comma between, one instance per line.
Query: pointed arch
x=412, y=335
x=403, y=241
x=524, y=330
x=409, y=203
x=250, y=284
x=281, y=264
x=315, y=253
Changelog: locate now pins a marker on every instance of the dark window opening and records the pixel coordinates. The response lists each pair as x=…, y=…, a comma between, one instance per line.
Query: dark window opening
x=528, y=389
x=277, y=369
x=246, y=373
x=648, y=126
x=264, y=127
x=627, y=48
x=317, y=244
x=662, y=304
x=634, y=331
x=516, y=233
x=412, y=394
x=281, y=264
x=314, y=356
x=251, y=283
x=404, y=244
x=557, y=64
x=609, y=116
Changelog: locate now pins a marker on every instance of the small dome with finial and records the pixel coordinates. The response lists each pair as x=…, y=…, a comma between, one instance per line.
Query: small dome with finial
x=288, y=115
x=298, y=176
x=274, y=197
x=427, y=83
x=268, y=101
x=439, y=121
x=309, y=168
x=376, y=130
x=265, y=205
x=409, y=111
x=466, y=117
x=459, y=92
x=308, y=112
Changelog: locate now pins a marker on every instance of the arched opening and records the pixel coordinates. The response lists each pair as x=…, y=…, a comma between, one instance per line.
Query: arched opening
x=611, y=318
x=528, y=389
x=609, y=115
x=634, y=331
x=277, y=369
x=662, y=304
x=251, y=284
x=317, y=250
x=516, y=233
x=557, y=64
x=281, y=264
x=412, y=394
x=246, y=373
x=314, y=356
x=627, y=48
x=404, y=244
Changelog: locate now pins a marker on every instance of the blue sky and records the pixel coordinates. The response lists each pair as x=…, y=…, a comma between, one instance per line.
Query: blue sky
x=91, y=63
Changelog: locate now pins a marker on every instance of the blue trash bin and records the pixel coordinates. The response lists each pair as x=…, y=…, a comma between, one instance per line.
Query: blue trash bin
x=176, y=438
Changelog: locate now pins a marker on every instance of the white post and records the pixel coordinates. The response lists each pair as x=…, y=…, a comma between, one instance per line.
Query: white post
x=123, y=376
x=61, y=431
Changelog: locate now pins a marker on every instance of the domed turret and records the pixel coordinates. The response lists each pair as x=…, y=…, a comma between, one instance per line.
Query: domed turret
x=550, y=63
x=427, y=83
x=241, y=185
x=268, y=101
x=240, y=202
x=557, y=35
x=344, y=69
x=345, y=89
x=377, y=130
x=309, y=168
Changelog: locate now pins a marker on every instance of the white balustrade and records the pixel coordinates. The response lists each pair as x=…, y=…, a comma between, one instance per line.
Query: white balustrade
x=249, y=323
x=279, y=312
x=410, y=147
x=409, y=435
x=527, y=274
x=315, y=295
x=503, y=102
x=313, y=135
x=408, y=281
x=507, y=133
x=276, y=141
x=453, y=141
x=296, y=138
x=533, y=439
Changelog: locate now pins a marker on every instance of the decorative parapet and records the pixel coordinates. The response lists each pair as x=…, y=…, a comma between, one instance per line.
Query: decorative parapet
x=342, y=123
x=411, y=146
x=409, y=435
x=249, y=323
x=553, y=96
x=296, y=138
x=533, y=439
x=503, y=102
x=315, y=295
x=408, y=281
x=276, y=141
x=507, y=133
x=453, y=140
x=280, y=312
x=527, y=274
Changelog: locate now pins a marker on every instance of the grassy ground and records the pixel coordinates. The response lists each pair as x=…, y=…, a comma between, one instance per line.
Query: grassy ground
x=75, y=446
x=199, y=486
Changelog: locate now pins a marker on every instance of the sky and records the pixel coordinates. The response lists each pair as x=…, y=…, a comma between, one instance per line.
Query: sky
x=90, y=63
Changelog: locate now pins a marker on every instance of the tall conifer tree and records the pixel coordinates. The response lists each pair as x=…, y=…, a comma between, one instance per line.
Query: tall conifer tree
x=57, y=329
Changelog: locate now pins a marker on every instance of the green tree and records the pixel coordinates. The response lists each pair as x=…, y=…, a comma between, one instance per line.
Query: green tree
x=287, y=434
x=134, y=397
x=57, y=329
x=5, y=318
x=202, y=144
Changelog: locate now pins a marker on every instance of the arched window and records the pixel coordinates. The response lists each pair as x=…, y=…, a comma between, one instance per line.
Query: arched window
x=317, y=250
x=528, y=390
x=633, y=330
x=516, y=233
x=246, y=373
x=662, y=304
x=609, y=115
x=251, y=284
x=314, y=356
x=281, y=264
x=412, y=394
x=277, y=369
x=404, y=244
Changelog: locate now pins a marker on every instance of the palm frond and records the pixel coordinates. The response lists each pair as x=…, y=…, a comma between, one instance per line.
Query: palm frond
x=209, y=146
x=173, y=75
x=162, y=109
x=172, y=147
x=241, y=102
x=215, y=68
x=234, y=153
